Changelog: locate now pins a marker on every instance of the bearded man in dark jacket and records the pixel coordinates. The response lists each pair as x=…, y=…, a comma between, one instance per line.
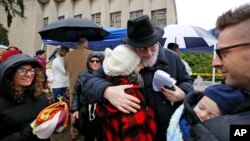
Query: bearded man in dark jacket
x=144, y=38
x=233, y=55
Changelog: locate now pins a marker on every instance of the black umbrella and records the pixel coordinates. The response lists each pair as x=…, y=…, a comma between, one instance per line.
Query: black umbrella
x=72, y=29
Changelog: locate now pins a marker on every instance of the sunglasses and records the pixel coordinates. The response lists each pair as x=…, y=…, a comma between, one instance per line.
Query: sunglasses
x=222, y=50
x=97, y=61
x=23, y=71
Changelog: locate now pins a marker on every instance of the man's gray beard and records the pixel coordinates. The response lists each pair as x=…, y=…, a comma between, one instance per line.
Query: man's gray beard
x=153, y=59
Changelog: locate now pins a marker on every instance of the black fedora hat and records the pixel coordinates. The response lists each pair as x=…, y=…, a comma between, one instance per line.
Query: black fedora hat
x=141, y=33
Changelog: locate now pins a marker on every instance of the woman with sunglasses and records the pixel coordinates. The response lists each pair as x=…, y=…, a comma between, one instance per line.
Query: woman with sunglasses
x=83, y=114
x=21, y=97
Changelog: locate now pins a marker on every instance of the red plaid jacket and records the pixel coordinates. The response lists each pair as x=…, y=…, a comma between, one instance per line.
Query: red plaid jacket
x=119, y=126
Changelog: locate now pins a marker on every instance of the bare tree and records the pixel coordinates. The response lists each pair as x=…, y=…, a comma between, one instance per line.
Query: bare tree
x=12, y=8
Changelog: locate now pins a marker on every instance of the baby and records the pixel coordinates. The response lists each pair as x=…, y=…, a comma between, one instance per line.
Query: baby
x=216, y=100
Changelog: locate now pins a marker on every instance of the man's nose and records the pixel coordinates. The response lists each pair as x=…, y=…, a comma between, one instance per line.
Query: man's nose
x=217, y=63
x=148, y=52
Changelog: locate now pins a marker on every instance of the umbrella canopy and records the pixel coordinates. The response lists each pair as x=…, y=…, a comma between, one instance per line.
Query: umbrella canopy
x=63, y=44
x=112, y=40
x=72, y=29
x=188, y=37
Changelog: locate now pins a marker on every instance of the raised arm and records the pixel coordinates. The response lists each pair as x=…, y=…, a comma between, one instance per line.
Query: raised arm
x=99, y=90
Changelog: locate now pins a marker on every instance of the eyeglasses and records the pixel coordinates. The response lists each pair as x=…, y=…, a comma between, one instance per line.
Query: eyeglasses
x=92, y=61
x=221, y=51
x=23, y=71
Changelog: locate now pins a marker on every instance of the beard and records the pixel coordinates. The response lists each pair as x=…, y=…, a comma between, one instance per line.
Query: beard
x=150, y=62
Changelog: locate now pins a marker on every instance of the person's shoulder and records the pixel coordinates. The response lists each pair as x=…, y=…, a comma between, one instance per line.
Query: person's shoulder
x=84, y=72
x=223, y=122
x=3, y=103
x=169, y=52
x=239, y=118
x=69, y=55
x=218, y=128
x=213, y=129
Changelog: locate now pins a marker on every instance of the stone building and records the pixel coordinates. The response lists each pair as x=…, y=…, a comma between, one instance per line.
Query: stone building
x=115, y=13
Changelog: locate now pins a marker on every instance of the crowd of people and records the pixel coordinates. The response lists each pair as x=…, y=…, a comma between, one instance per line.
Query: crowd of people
x=111, y=96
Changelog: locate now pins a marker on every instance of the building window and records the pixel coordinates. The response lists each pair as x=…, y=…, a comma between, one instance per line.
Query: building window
x=78, y=16
x=158, y=17
x=115, y=19
x=136, y=14
x=96, y=18
x=45, y=21
x=61, y=17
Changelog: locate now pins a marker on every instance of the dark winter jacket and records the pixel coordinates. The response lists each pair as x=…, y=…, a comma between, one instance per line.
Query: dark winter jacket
x=79, y=97
x=88, y=124
x=218, y=129
x=189, y=103
x=15, y=116
x=94, y=86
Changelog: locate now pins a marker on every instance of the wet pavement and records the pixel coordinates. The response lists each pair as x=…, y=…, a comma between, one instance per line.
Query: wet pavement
x=64, y=136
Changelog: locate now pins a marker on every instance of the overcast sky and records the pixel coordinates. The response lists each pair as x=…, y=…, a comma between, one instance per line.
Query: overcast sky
x=203, y=13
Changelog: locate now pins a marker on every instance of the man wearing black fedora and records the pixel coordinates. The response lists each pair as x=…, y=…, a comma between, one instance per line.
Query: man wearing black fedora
x=144, y=38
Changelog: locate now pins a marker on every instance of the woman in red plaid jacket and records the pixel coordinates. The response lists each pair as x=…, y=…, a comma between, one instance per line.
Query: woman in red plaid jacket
x=122, y=66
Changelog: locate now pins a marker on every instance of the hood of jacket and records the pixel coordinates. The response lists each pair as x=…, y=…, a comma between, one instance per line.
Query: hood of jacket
x=95, y=54
x=190, y=101
x=9, y=66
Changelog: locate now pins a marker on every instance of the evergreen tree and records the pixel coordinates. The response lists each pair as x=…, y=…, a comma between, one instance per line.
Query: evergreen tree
x=4, y=36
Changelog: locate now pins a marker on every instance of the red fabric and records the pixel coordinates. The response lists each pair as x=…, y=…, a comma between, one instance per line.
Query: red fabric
x=8, y=53
x=119, y=126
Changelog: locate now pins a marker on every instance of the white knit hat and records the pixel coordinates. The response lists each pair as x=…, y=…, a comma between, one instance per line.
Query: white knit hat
x=120, y=61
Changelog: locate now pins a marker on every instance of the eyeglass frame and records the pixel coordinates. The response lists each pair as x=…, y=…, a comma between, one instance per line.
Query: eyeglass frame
x=219, y=51
x=96, y=61
x=31, y=70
